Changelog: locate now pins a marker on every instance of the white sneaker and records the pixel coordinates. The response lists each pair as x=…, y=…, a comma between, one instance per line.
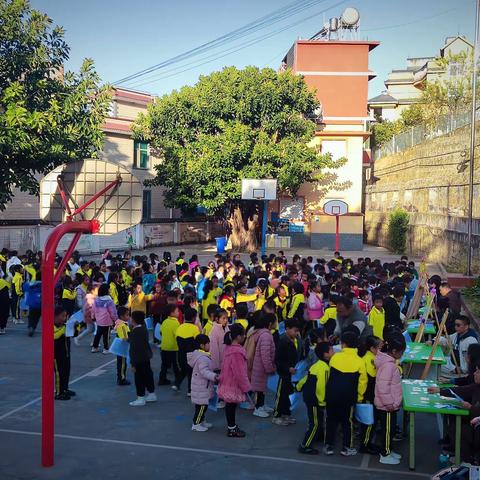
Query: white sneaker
x=199, y=428
x=21, y=322
x=105, y=351
x=267, y=409
x=396, y=455
x=95, y=350
x=189, y=394
x=139, y=402
x=76, y=342
x=280, y=421
x=348, y=452
x=259, y=412
x=389, y=460
x=151, y=397
x=221, y=404
x=174, y=387
x=290, y=419
x=206, y=424
x=2, y=331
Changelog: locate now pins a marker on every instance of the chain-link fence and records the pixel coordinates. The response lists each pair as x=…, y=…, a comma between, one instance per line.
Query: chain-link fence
x=415, y=135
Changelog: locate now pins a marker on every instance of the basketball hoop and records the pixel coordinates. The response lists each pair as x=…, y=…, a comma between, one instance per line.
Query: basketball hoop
x=71, y=197
x=336, y=208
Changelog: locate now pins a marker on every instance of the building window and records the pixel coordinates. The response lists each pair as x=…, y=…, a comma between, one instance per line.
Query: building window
x=141, y=156
x=147, y=205
x=456, y=69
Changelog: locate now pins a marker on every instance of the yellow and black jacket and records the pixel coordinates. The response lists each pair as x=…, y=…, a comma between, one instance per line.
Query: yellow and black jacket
x=69, y=300
x=61, y=343
x=113, y=292
x=17, y=283
x=207, y=327
x=369, y=360
x=348, y=379
x=122, y=329
x=186, y=334
x=30, y=272
x=330, y=313
x=314, y=384
x=168, y=330
x=297, y=306
x=281, y=304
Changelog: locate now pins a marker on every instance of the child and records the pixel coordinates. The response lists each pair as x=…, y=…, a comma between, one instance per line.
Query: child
x=314, y=303
x=211, y=309
x=233, y=381
x=34, y=302
x=376, y=317
x=241, y=312
x=4, y=304
x=227, y=301
x=363, y=301
x=329, y=319
x=217, y=335
x=313, y=386
x=105, y=315
x=87, y=314
x=263, y=362
x=346, y=386
x=62, y=355
x=137, y=301
x=140, y=355
x=122, y=330
x=297, y=304
x=368, y=352
x=69, y=296
x=186, y=334
x=286, y=358
x=169, y=346
x=203, y=378
x=388, y=393
x=17, y=292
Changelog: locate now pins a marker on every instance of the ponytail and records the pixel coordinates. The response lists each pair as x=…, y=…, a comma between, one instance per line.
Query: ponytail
x=394, y=341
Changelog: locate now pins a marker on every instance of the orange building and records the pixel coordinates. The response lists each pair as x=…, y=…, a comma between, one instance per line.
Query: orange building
x=338, y=72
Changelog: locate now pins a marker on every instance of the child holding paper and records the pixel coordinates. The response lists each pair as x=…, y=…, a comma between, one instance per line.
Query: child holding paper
x=203, y=378
x=122, y=330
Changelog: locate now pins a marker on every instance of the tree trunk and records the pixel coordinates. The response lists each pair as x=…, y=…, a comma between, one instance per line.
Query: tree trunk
x=243, y=225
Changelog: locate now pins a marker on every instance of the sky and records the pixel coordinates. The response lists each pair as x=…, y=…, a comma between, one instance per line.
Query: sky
x=124, y=37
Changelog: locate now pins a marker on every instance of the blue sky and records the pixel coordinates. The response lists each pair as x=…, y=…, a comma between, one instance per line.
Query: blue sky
x=124, y=37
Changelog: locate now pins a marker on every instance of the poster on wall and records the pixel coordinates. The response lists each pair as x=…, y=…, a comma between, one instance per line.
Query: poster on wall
x=154, y=235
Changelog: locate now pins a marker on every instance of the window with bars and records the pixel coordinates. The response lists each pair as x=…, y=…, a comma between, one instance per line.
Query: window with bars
x=141, y=155
x=147, y=205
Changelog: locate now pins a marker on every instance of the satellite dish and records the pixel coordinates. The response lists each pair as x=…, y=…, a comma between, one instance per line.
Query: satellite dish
x=350, y=16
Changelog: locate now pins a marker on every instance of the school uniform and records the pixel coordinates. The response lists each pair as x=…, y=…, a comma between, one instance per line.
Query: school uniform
x=4, y=302
x=186, y=334
x=17, y=293
x=329, y=319
x=137, y=302
x=367, y=431
x=376, y=319
x=62, y=359
x=313, y=386
x=140, y=356
x=286, y=357
x=69, y=300
x=122, y=330
x=169, y=349
x=228, y=304
x=346, y=386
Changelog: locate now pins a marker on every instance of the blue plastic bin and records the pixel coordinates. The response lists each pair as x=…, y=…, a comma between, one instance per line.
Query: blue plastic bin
x=221, y=244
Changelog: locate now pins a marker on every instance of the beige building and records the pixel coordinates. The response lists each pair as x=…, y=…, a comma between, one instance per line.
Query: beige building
x=404, y=87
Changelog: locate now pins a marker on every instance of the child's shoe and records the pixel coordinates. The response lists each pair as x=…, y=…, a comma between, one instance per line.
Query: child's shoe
x=348, y=452
x=62, y=396
x=105, y=351
x=396, y=455
x=70, y=393
x=280, y=421
x=289, y=419
x=221, y=404
x=123, y=383
x=95, y=350
x=76, y=341
x=207, y=425
x=2, y=331
x=175, y=388
x=267, y=409
x=139, y=402
x=307, y=450
x=389, y=460
x=259, y=412
x=235, y=432
x=199, y=428
x=328, y=450
x=151, y=397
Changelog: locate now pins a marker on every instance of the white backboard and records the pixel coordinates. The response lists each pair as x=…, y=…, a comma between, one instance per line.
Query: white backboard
x=115, y=211
x=259, y=189
x=335, y=207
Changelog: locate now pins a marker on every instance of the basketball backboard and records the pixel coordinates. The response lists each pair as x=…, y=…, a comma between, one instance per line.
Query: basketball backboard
x=259, y=189
x=335, y=207
x=117, y=210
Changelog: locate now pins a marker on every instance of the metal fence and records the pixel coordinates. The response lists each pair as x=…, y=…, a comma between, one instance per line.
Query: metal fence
x=415, y=135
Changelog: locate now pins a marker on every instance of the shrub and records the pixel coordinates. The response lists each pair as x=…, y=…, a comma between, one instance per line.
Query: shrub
x=397, y=230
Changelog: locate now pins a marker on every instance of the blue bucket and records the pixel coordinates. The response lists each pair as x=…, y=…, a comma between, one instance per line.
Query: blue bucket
x=221, y=244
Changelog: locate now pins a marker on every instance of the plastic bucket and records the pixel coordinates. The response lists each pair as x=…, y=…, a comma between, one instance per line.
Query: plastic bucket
x=221, y=244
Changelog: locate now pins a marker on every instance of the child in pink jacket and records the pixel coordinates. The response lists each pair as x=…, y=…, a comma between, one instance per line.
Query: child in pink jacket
x=233, y=382
x=216, y=335
x=105, y=313
x=388, y=393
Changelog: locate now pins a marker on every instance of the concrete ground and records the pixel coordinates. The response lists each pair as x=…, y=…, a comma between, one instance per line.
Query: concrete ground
x=99, y=436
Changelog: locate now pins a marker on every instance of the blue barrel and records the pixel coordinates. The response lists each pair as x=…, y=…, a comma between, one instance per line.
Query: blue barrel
x=221, y=244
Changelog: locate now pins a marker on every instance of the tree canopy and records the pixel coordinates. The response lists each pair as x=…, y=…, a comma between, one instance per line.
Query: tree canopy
x=234, y=124
x=46, y=117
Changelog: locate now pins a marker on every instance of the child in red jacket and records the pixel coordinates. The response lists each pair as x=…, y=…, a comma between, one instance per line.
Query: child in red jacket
x=234, y=383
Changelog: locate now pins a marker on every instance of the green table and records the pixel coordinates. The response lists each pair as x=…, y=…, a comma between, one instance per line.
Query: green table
x=414, y=326
x=417, y=399
x=419, y=353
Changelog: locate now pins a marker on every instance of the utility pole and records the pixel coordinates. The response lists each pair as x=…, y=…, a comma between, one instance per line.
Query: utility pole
x=472, y=142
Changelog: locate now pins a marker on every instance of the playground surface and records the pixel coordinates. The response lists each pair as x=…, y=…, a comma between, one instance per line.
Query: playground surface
x=99, y=436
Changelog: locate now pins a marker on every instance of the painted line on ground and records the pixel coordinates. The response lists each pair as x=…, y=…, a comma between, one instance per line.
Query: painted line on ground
x=35, y=400
x=218, y=453
x=365, y=461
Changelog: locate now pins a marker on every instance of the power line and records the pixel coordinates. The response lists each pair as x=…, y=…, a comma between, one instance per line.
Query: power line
x=260, y=23
x=233, y=49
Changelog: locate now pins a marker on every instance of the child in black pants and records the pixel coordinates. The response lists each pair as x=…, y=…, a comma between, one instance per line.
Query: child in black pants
x=4, y=304
x=61, y=355
x=140, y=355
x=122, y=330
x=286, y=358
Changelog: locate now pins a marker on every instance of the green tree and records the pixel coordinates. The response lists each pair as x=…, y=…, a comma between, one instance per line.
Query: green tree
x=231, y=125
x=398, y=230
x=46, y=118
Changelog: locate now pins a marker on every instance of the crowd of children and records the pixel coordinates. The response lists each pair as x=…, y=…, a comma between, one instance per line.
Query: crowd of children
x=226, y=327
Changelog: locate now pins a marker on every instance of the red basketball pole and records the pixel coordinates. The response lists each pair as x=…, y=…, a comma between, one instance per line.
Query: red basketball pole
x=337, y=233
